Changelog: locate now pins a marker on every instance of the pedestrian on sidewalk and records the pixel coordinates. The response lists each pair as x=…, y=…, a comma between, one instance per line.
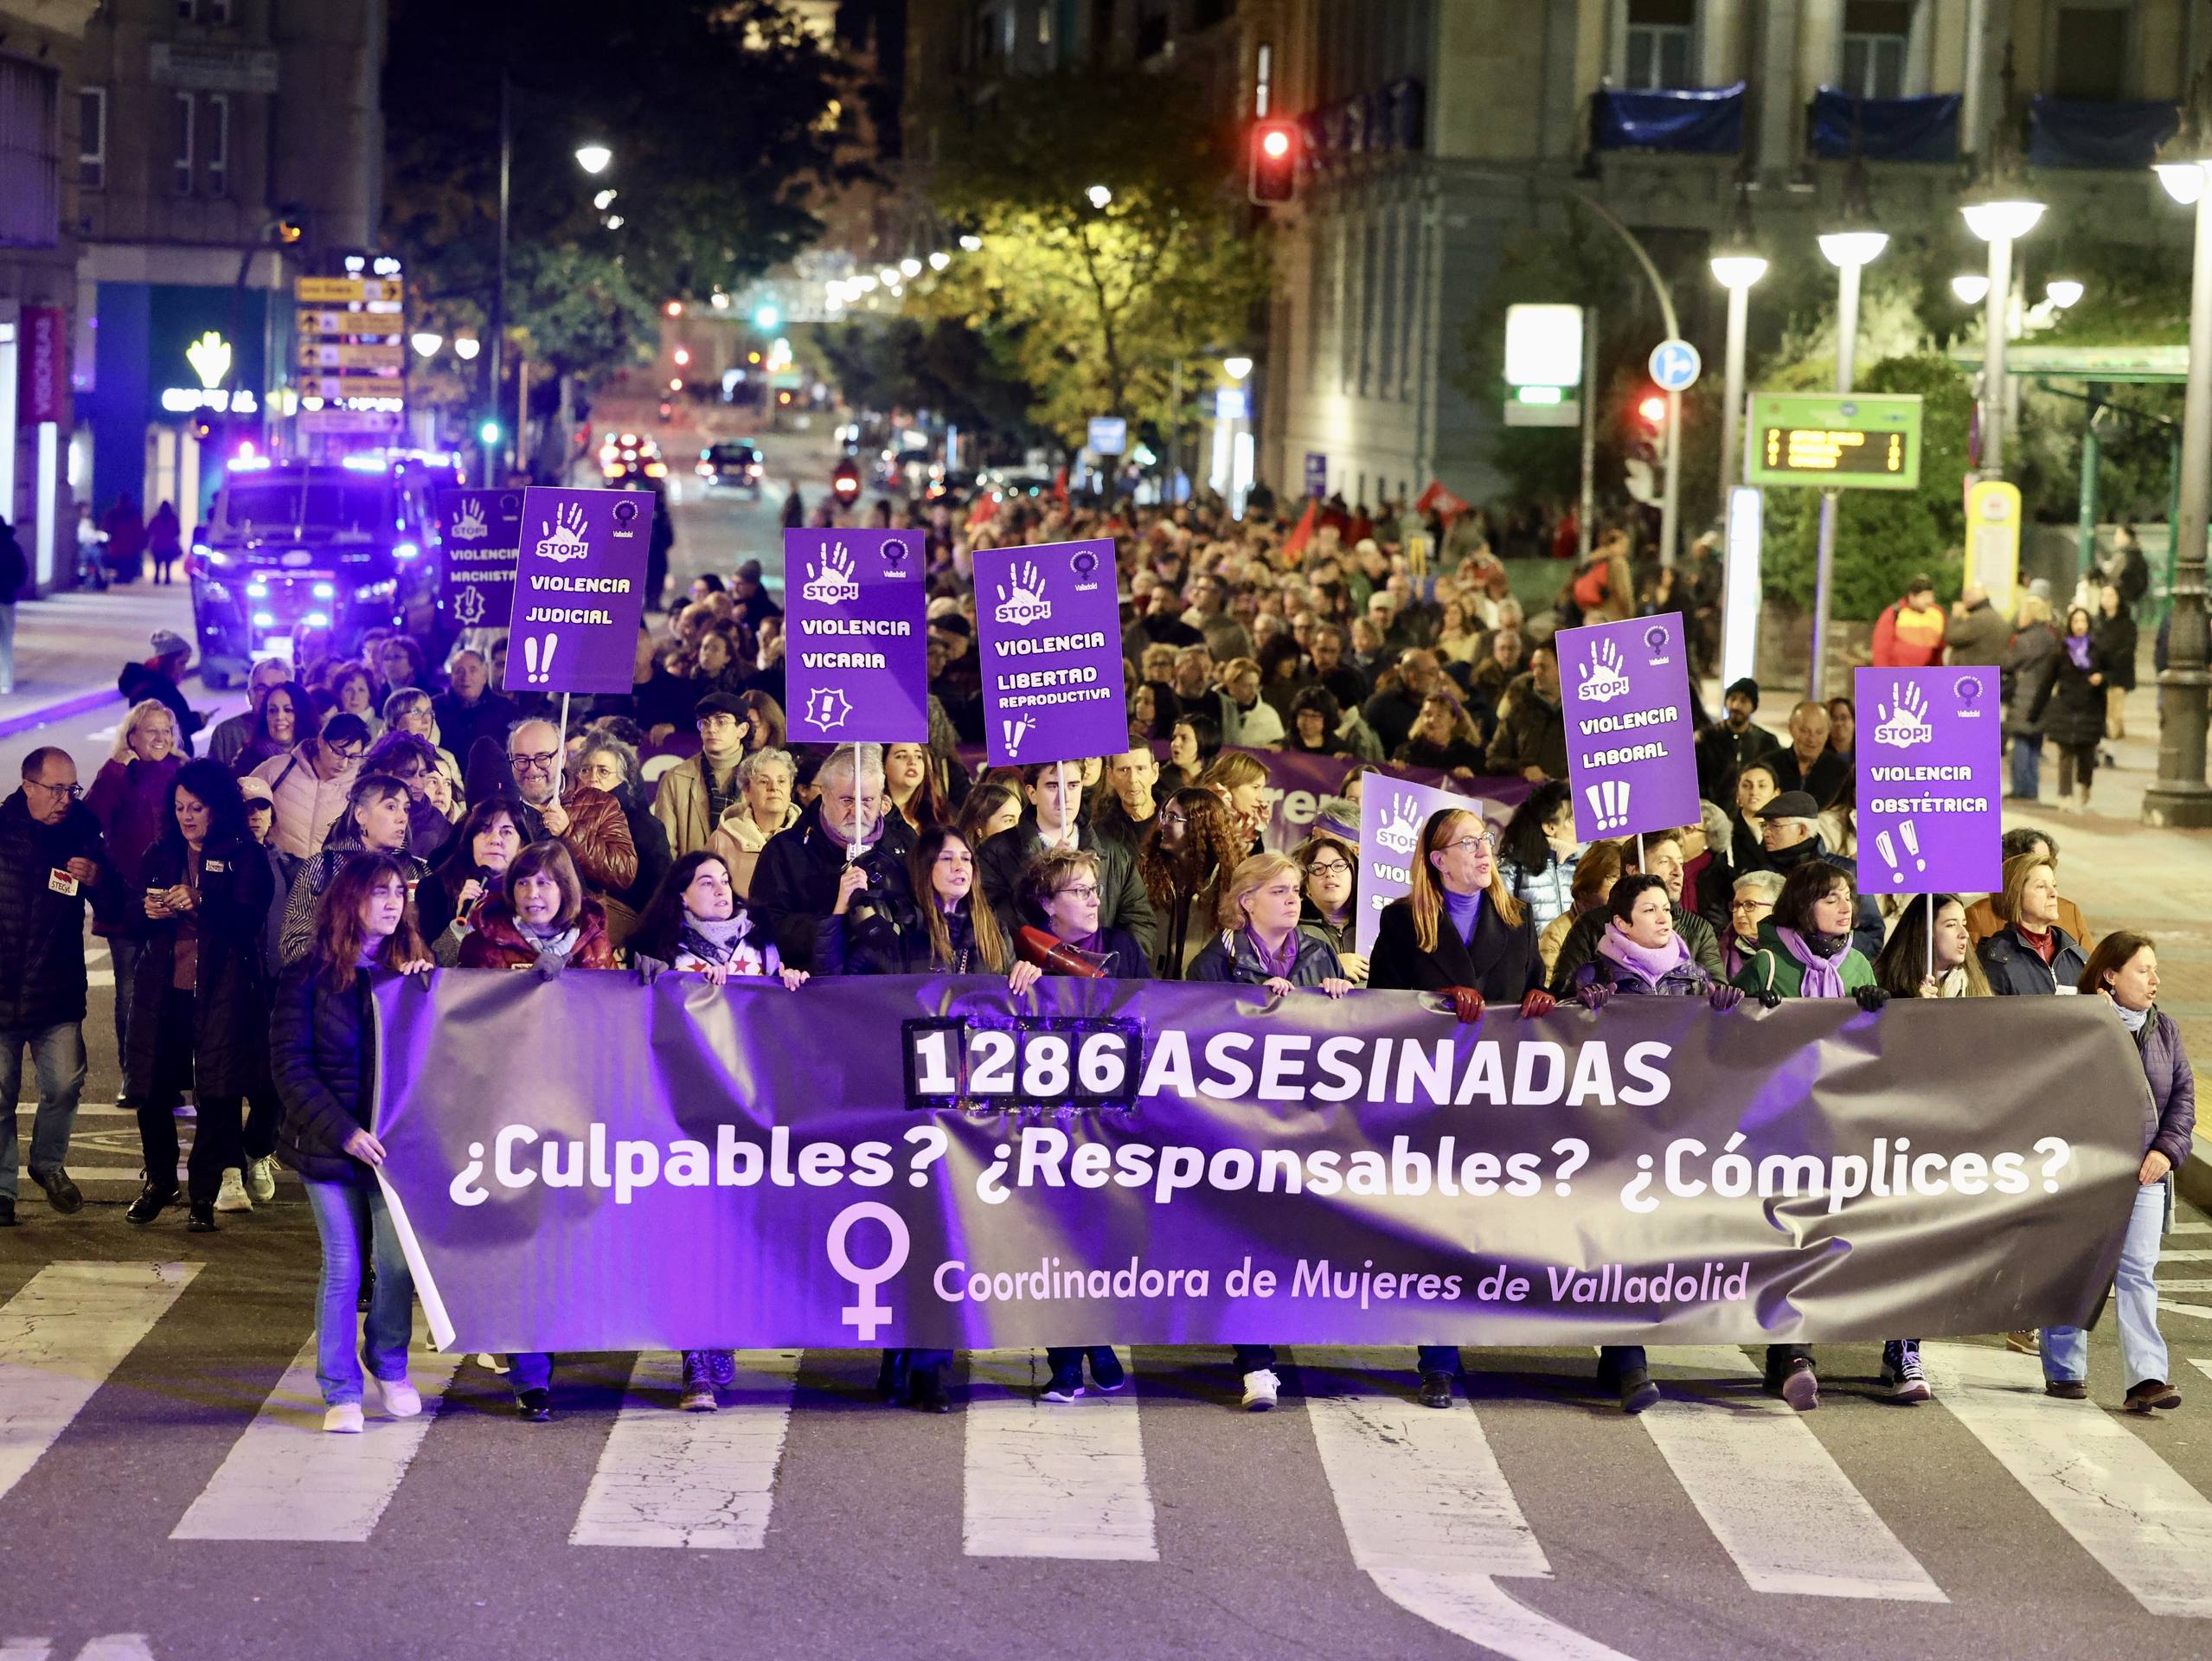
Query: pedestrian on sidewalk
x=2124, y=971
x=158, y=677
x=126, y=530
x=164, y=543
x=54, y=865
x=2029, y=664
x=200, y=1006
x=2117, y=639
x=2071, y=713
x=15, y=575
x=129, y=797
x=324, y=1054
x=1909, y=632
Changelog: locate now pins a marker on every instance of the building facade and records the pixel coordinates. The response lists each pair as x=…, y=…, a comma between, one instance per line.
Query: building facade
x=40, y=42
x=222, y=147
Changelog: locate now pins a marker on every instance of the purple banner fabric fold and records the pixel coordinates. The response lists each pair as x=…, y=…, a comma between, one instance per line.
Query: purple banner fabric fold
x=856, y=666
x=1630, y=754
x=594, y=1165
x=1050, y=635
x=580, y=591
x=1931, y=783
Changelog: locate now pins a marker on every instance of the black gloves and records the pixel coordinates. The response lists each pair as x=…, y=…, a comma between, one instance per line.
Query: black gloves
x=1870, y=999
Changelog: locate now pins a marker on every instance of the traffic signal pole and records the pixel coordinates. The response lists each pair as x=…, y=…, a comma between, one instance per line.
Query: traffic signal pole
x=1670, y=508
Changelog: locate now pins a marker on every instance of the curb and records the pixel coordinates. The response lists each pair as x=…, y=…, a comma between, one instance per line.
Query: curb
x=47, y=714
x=2194, y=1179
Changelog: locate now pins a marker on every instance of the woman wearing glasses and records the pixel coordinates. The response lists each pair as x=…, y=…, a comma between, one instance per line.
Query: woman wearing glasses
x=1063, y=884
x=1261, y=945
x=1192, y=847
x=376, y=821
x=1458, y=932
x=1331, y=909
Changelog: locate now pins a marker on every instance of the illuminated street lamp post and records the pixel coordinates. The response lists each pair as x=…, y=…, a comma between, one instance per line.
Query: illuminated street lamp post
x=1737, y=264
x=1855, y=243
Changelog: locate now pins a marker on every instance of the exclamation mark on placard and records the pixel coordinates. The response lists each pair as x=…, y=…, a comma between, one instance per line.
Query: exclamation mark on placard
x=537, y=657
x=1595, y=795
x=530, y=659
x=1888, y=848
x=1911, y=833
x=1609, y=801
x=1620, y=815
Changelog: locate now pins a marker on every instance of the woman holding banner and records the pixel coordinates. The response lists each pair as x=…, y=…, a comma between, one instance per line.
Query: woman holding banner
x=2124, y=969
x=694, y=924
x=323, y=1053
x=1331, y=909
x=1641, y=956
x=1261, y=945
x=1806, y=950
x=1457, y=932
x=1063, y=884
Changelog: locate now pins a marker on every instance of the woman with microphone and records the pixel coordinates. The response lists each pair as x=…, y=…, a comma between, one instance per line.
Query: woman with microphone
x=1458, y=932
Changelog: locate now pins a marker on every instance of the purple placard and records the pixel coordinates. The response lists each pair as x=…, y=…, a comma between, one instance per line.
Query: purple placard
x=1624, y=691
x=580, y=591
x=1930, y=749
x=1391, y=814
x=481, y=537
x=1050, y=635
x=856, y=667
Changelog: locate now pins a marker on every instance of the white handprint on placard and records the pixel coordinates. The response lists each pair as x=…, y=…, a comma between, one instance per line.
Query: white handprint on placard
x=563, y=540
x=1014, y=729
x=1903, y=723
x=1021, y=597
x=1400, y=828
x=831, y=582
x=468, y=524
x=1604, y=680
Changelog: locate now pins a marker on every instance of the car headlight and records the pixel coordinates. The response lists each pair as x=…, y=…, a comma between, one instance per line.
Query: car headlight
x=406, y=550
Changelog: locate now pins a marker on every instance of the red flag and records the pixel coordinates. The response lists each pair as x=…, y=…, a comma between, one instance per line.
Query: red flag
x=1436, y=499
x=1301, y=534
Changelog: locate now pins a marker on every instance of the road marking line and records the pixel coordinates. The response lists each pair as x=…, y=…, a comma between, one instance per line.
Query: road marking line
x=62, y=1335
x=2193, y=1256
x=2197, y=1310
x=693, y=1480
x=1429, y=1514
x=2185, y=1285
x=2124, y=1505
x=1774, y=1495
x=1046, y=1479
x=2190, y=1228
x=286, y=1479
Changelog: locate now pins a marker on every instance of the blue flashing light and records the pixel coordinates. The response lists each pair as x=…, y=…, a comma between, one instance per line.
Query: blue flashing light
x=407, y=551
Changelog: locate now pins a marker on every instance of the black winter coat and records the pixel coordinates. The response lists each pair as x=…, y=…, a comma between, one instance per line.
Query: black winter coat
x=2072, y=713
x=230, y=1006
x=43, y=932
x=795, y=884
x=1123, y=902
x=893, y=939
x=2016, y=969
x=2118, y=637
x=1501, y=963
x=324, y=1063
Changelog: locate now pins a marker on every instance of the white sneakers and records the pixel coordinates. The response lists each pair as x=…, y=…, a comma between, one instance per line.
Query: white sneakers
x=401, y=1399
x=1261, y=1389
x=491, y=1363
x=231, y=1196
x=262, y=1179
x=344, y=1420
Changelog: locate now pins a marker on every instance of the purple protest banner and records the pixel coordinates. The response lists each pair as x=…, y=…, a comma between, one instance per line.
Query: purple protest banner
x=580, y=591
x=1391, y=814
x=1050, y=639
x=1625, y=692
x=481, y=533
x=1929, y=782
x=855, y=667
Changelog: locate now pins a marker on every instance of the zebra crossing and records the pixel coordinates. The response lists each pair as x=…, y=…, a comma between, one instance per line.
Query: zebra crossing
x=1426, y=1509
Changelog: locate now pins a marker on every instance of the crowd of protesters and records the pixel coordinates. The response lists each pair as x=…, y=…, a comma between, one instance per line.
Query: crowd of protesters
x=396, y=809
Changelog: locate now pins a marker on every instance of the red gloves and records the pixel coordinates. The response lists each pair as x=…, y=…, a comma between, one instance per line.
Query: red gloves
x=1536, y=1001
x=1466, y=1002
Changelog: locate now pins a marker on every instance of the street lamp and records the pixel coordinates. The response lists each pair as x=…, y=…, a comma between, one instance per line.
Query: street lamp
x=2063, y=291
x=1999, y=209
x=425, y=343
x=1101, y=198
x=910, y=266
x=1855, y=243
x=594, y=158
x=972, y=243
x=1737, y=264
x=2180, y=796
x=466, y=346
x=939, y=260
x=1971, y=288
x=1237, y=367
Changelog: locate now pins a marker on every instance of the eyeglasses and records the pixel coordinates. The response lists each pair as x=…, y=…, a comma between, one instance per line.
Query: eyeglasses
x=1081, y=890
x=1175, y=818
x=1751, y=905
x=542, y=762
x=349, y=752
x=1329, y=867
x=1485, y=842
x=69, y=792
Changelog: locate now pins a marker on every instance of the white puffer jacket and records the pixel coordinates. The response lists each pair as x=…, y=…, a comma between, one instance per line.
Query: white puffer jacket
x=307, y=804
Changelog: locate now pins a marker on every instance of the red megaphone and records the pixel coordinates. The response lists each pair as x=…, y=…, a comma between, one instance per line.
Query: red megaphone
x=1055, y=956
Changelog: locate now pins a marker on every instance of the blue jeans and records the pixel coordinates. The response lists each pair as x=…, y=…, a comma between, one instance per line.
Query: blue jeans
x=2027, y=767
x=353, y=1224
x=529, y=1371
x=58, y=1058
x=124, y=953
x=8, y=648
x=2066, y=1349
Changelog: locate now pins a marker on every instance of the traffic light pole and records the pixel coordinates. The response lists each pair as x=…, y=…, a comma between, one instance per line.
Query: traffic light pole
x=1669, y=511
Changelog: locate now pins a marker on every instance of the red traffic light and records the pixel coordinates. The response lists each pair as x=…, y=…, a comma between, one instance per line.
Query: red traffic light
x=1653, y=408
x=1275, y=148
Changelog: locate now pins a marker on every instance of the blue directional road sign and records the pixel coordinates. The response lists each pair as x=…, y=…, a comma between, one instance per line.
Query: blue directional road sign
x=1674, y=365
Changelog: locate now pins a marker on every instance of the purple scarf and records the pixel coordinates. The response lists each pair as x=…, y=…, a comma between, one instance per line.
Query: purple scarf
x=1278, y=965
x=1822, y=978
x=1641, y=961
x=2077, y=648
